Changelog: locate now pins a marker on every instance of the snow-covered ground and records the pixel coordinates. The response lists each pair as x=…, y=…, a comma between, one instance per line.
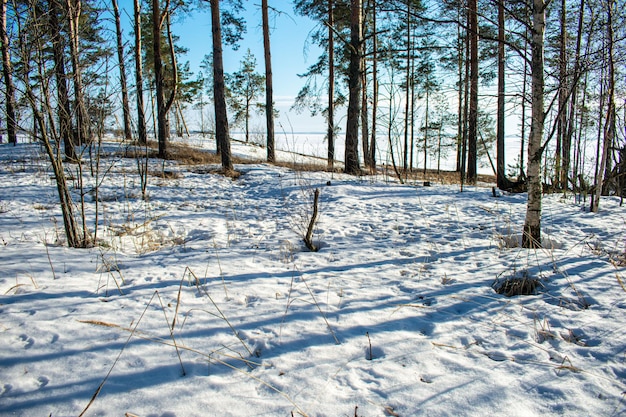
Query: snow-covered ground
x=203, y=301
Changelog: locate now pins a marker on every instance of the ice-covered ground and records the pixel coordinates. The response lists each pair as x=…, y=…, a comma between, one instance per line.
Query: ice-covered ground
x=203, y=301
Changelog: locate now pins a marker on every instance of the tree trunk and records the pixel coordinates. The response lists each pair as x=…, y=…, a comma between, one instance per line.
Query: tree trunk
x=408, y=89
x=599, y=139
x=120, y=56
x=354, y=91
x=609, y=124
x=82, y=133
x=522, y=152
x=330, y=135
x=372, y=153
x=64, y=110
x=247, y=116
x=308, y=237
x=466, y=93
x=364, y=110
x=412, y=120
x=439, y=148
x=172, y=98
x=141, y=116
x=501, y=179
x=579, y=162
x=567, y=141
x=460, y=139
x=390, y=127
x=162, y=134
x=621, y=171
x=71, y=227
x=562, y=148
x=269, y=86
x=531, y=237
x=219, y=93
x=472, y=134
x=8, y=79
x=426, y=130
x=142, y=133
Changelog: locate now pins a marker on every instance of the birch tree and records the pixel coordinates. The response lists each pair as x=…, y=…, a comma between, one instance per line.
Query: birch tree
x=531, y=236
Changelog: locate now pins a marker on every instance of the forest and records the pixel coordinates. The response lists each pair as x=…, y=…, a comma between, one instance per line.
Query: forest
x=161, y=256
x=389, y=63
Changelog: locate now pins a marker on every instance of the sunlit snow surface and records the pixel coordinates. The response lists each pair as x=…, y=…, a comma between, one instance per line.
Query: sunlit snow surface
x=395, y=315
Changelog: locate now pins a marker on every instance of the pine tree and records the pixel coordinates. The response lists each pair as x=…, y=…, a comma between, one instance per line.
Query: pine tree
x=244, y=86
x=7, y=72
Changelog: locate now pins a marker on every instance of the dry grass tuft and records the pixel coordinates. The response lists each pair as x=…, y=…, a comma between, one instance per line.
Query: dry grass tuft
x=517, y=285
x=182, y=153
x=188, y=155
x=166, y=174
x=42, y=207
x=305, y=166
x=230, y=173
x=618, y=259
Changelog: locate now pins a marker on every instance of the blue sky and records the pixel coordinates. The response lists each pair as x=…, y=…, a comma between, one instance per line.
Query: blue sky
x=292, y=52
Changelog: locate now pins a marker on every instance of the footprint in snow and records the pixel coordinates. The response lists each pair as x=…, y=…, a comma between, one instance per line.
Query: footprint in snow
x=5, y=388
x=426, y=379
x=497, y=356
x=43, y=381
x=250, y=300
x=27, y=341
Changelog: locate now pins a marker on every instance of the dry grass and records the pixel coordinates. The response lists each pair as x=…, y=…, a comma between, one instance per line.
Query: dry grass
x=191, y=156
x=184, y=154
x=618, y=259
x=166, y=174
x=188, y=155
x=433, y=176
x=517, y=285
x=206, y=161
x=217, y=170
x=305, y=166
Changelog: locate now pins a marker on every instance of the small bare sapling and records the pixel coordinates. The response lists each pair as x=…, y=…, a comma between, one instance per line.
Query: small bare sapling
x=308, y=237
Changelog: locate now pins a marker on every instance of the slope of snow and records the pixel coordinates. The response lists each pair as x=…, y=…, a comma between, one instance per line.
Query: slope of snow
x=204, y=300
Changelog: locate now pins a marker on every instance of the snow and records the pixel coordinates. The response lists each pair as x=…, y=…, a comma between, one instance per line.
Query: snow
x=395, y=315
